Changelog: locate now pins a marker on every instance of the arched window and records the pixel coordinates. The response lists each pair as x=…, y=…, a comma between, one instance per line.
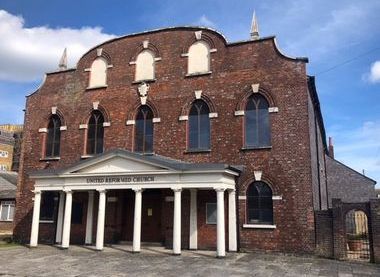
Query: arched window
x=53, y=139
x=199, y=126
x=95, y=133
x=98, y=75
x=144, y=130
x=257, y=129
x=260, y=204
x=145, y=66
x=199, y=58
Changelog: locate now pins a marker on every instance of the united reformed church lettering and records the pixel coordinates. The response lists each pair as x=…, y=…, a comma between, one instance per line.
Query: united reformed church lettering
x=120, y=179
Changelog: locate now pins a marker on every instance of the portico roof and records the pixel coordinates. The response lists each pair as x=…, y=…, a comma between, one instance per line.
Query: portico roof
x=152, y=162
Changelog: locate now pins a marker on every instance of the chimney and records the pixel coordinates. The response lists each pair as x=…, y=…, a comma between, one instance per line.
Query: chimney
x=331, y=148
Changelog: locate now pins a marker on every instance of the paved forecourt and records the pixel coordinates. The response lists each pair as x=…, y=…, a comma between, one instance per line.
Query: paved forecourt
x=119, y=260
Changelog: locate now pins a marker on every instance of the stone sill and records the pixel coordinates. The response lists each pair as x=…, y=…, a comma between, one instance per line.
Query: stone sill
x=144, y=81
x=47, y=221
x=86, y=156
x=198, y=74
x=98, y=87
x=259, y=226
x=197, y=151
x=250, y=148
x=50, y=159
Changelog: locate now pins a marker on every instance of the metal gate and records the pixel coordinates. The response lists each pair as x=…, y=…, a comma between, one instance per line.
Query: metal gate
x=357, y=236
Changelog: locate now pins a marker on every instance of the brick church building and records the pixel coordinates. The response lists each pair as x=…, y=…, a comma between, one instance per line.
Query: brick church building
x=175, y=136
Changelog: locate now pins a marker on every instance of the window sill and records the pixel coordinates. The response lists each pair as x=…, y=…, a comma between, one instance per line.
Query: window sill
x=48, y=159
x=249, y=148
x=144, y=81
x=259, y=226
x=47, y=221
x=195, y=151
x=86, y=156
x=97, y=87
x=189, y=75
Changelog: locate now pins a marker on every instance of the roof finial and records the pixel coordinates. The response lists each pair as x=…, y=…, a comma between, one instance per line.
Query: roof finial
x=254, y=27
x=63, y=61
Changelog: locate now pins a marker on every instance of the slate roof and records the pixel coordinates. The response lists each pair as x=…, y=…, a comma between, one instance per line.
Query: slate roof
x=8, y=184
x=154, y=159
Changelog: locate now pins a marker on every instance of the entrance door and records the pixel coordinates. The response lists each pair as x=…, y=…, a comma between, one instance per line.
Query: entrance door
x=151, y=230
x=151, y=213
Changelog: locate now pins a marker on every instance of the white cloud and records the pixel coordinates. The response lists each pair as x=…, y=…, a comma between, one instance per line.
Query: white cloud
x=359, y=147
x=205, y=21
x=374, y=75
x=27, y=53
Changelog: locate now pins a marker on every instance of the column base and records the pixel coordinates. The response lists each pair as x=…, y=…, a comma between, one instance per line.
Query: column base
x=193, y=249
x=176, y=254
x=32, y=246
x=220, y=257
x=135, y=252
x=63, y=247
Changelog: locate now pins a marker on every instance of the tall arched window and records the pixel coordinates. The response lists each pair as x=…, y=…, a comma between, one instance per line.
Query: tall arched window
x=199, y=58
x=199, y=126
x=53, y=139
x=145, y=66
x=144, y=130
x=95, y=133
x=98, y=74
x=260, y=204
x=257, y=129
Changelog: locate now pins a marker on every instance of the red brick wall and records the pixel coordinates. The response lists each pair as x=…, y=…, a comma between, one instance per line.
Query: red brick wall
x=234, y=68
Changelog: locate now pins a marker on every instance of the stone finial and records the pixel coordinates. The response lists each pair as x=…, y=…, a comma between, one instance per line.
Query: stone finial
x=63, y=61
x=254, y=27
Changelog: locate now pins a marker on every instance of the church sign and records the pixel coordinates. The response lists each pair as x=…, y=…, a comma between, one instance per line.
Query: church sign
x=119, y=179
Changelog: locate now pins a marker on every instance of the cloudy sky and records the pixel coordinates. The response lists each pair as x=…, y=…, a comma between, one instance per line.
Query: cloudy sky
x=341, y=39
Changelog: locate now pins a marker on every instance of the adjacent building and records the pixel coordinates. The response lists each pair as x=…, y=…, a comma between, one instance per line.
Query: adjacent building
x=175, y=136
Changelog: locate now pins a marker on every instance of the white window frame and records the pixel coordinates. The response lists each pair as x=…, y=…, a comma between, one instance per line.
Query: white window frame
x=207, y=207
x=9, y=204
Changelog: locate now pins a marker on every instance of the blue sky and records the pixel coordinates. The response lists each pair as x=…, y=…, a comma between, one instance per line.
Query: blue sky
x=343, y=36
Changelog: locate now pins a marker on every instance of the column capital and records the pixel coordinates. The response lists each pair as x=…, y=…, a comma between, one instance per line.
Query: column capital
x=101, y=190
x=36, y=192
x=138, y=189
x=176, y=189
x=231, y=190
x=219, y=189
x=67, y=190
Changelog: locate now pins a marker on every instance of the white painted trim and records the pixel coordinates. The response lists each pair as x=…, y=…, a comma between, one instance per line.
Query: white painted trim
x=99, y=52
x=42, y=130
x=53, y=110
x=198, y=94
x=145, y=44
x=132, y=63
x=106, y=124
x=95, y=105
x=213, y=50
x=46, y=221
x=277, y=197
x=130, y=122
x=63, y=128
x=239, y=113
x=157, y=59
x=183, y=118
x=110, y=66
x=198, y=35
x=242, y=197
x=184, y=55
x=213, y=115
x=83, y=126
x=87, y=70
x=255, y=88
x=273, y=109
x=259, y=226
x=156, y=120
x=258, y=174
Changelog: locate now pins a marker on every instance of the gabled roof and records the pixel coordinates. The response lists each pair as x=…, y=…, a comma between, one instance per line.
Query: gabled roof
x=153, y=160
x=8, y=184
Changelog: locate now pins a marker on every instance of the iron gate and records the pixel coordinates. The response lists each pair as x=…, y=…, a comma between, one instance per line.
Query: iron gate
x=357, y=237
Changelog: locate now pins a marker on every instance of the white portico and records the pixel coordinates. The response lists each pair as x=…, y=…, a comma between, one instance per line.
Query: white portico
x=124, y=170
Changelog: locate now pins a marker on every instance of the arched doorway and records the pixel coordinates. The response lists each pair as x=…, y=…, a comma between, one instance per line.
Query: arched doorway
x=357, y=237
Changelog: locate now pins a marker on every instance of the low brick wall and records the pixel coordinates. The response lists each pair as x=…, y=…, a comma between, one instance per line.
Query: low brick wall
x=324, y=234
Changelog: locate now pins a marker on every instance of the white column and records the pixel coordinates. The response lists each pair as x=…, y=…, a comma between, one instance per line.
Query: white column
x=36, y=219
x=67, y=219
x=61, y=209
x=137, y=221
x=232, y=238
x=177, y=222
x=193, y=241
x=101, y=220
x=90, y=217
x=220, y=232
